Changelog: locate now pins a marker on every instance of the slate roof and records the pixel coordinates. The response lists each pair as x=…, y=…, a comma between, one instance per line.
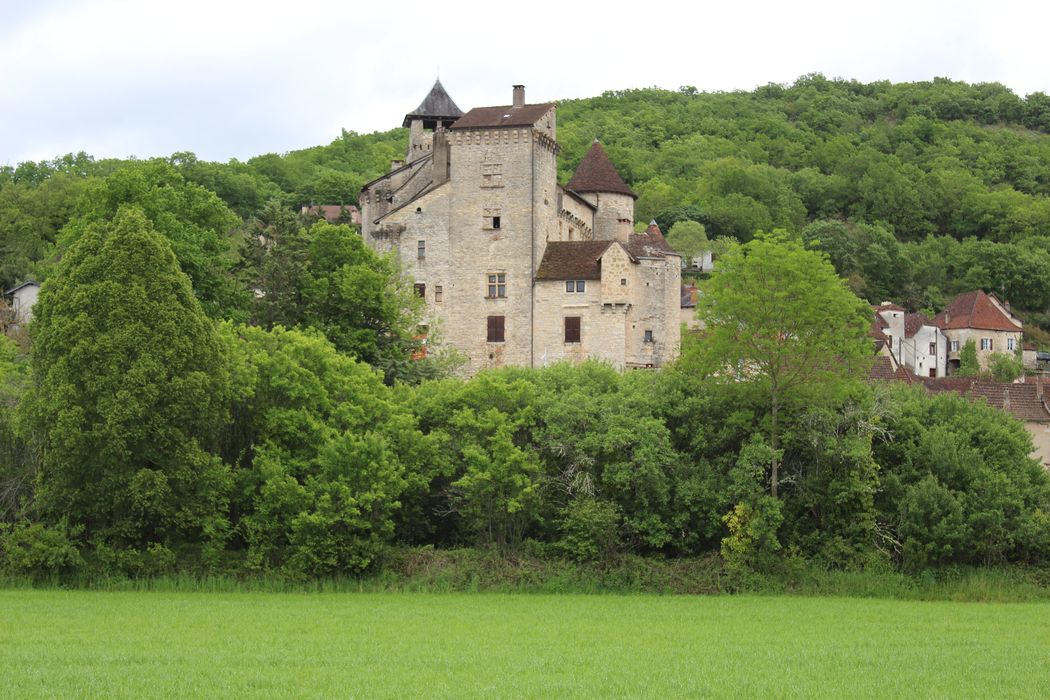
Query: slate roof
x=436, y=106
x=596, y=173
x=1022, y=401
x=498, y=117
x=975, y=310
x=27, y=283
x=650, y=244
x=572, y=260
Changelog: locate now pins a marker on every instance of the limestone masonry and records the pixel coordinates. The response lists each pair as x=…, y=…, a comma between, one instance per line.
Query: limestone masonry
x=515, y=268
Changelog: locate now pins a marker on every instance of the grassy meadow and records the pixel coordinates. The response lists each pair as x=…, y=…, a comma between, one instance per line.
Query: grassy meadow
x=57, y=643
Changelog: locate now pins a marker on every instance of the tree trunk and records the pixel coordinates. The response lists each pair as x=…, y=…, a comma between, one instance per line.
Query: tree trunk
x=774, y=475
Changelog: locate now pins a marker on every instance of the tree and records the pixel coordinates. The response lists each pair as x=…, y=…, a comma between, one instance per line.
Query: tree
x=129, y=391
x=777, y=317
x=969, y=365
x=689, y=238
x=195, y=222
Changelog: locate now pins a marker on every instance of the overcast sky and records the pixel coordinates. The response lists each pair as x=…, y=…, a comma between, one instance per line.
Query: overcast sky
x=233, y=79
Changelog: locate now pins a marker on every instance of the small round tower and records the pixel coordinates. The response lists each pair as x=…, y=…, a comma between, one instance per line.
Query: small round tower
x=597, y=181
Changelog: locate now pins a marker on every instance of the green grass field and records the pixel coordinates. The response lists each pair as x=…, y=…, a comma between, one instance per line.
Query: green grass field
x=149, y=644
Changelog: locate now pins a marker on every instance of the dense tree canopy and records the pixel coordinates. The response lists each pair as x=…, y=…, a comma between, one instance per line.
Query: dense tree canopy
x=130, y=388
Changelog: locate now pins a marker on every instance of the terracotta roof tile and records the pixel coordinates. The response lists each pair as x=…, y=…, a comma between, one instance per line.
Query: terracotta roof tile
x=572, y=260
x=650, y=244
x=1022, y=401
x=975, y=310
x=596, y=173
x=913, y=323
x=497, y=117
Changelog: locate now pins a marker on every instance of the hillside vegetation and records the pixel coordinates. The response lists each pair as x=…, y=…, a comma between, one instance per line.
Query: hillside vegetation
x=213, y=384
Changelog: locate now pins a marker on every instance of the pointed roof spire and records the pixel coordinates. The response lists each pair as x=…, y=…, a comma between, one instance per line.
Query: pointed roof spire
x=596, y=173
x=436, y=107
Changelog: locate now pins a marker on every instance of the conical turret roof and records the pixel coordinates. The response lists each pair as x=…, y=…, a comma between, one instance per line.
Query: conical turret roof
x=436, y=107
x=596, y=173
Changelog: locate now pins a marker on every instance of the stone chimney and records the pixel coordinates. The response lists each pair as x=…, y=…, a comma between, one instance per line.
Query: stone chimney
x=1006, y=400
x=1039, y=387
x=519, y=96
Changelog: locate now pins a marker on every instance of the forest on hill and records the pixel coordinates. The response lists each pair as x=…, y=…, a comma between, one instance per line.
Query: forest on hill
x=213, y=383
x=917, y=191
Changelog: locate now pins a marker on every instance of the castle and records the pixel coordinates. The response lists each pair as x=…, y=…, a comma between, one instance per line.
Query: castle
x=516, y=269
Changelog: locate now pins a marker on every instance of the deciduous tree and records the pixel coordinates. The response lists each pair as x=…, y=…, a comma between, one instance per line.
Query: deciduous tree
x=777, y=316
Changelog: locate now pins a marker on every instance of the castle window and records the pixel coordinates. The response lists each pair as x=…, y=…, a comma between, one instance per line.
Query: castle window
x=623, y=281
x=497, y=285
x=421, y=250
x=495, y=329
x=648, y=337
x=575, y=285
x=491, y=219
x=572, y=329
x=421, y=290
x=437, y=293
x=491, y=175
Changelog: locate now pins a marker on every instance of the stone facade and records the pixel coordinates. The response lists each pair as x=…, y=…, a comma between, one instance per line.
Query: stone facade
x=515, y=268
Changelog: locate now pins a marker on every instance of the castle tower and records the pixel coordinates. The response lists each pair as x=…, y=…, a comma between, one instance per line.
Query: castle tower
x=435, y=113
x=597, y=181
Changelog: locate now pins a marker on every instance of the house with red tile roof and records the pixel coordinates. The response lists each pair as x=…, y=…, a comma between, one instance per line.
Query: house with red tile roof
x=982, y=318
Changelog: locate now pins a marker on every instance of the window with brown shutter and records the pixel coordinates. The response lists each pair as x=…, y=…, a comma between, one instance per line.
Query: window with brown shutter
x=572, y=329
x=495, y=329
x=421, y=290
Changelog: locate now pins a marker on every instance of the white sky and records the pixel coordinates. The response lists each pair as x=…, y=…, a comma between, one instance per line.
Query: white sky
x=233, y=79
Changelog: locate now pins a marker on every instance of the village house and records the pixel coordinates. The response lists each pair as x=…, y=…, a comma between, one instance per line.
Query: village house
x=20, y=301
x=985, y=320
x=516, y=269
x=913, y=340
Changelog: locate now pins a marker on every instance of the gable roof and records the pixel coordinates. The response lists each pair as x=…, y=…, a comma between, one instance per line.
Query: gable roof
x=650, y=244
x=913, y=323
x=596, y=173
x=498, y=117
x=976, y=310
x=1022, y=401
x=572, y=260
x=27, y=283
x=436, y=106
